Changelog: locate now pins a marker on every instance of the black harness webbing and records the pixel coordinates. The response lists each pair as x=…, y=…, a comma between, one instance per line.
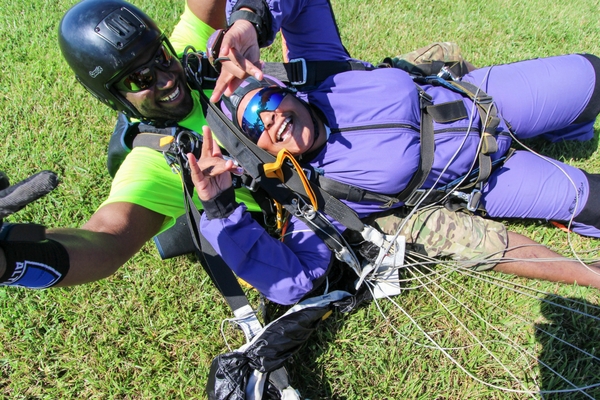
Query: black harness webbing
x=303, y=74
x=220, y=274
x=441, y=113
x=299, y=73
x=427, y=150
x=489, y=122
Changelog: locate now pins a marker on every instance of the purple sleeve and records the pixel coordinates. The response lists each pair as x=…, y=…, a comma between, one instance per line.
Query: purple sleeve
x=308, y=27
x=282, y=271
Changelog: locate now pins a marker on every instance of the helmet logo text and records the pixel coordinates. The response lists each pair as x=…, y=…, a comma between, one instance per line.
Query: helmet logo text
x=97, y=71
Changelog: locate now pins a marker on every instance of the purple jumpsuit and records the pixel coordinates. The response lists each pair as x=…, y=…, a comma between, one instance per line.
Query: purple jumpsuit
x=374, y=117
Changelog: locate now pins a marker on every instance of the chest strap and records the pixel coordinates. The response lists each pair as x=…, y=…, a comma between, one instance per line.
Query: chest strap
x=304, y=74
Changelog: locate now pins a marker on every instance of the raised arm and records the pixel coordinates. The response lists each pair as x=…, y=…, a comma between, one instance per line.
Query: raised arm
x=283, y=271
x=308, y=26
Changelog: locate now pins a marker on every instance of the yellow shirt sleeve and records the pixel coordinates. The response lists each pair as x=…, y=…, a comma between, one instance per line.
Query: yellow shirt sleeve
x=190, y=30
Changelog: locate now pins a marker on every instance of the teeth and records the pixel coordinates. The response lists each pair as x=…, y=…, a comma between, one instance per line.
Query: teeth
x=283, y=128
x=171, y=97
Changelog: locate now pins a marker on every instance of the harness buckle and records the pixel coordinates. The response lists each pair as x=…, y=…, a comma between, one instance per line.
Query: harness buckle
x=474, y=199
x=415, y=197
x=302, y=61
x=308, y=173
x=471, y=199
x=252, y=186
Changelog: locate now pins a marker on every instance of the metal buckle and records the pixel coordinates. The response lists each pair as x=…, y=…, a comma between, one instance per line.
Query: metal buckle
x=253, y=186
x=307, y=172
x=415, y=197
x=304, y=71
x=474, y=199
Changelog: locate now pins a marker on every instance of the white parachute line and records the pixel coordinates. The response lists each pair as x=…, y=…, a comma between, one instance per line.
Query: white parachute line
x=522, y=351
x=404, y=337
x=440, y=276
x=452, y=359
x=489, y=278
x=415, y=208
x=523, y=319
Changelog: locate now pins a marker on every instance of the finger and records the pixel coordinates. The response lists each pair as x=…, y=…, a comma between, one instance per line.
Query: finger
x=224, y=81
x=195, y=171
x=244, y=64
x=207, y=142
x=232, y=85
x=213, y=147
x=214, y=167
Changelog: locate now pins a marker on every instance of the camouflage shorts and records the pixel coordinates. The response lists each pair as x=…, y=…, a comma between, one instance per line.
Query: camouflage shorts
x=439, y=232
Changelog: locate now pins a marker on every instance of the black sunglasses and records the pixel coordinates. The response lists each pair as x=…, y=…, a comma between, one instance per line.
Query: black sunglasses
x=145, y=76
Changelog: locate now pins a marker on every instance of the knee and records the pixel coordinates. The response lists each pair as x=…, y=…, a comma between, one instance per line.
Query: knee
x=592, y=109
x=590, y=213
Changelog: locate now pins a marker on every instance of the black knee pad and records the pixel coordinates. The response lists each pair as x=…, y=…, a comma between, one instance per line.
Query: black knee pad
x=592, y=109
x=590, y=214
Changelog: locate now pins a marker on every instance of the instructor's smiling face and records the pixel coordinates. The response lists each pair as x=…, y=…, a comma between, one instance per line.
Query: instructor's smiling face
x=288, y=125
x=167, y=95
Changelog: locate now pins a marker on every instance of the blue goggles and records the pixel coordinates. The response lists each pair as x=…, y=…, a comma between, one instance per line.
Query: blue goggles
x=266, y=99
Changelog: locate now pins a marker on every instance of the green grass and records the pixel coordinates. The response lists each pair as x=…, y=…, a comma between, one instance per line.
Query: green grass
x=151, y=330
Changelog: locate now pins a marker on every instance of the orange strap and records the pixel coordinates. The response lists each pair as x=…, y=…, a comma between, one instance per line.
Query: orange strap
x=273, y=170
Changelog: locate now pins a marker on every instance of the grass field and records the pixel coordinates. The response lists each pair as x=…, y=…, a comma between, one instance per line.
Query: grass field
x=151, y=330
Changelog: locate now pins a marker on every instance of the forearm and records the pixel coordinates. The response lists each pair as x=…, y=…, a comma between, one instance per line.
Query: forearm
x=89, y=256
x=282, y=271
x=58, y=260
x=112, y=235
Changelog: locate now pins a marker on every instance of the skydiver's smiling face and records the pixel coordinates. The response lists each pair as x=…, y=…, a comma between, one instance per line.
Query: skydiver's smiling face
x=289, y=126
x=167, y=96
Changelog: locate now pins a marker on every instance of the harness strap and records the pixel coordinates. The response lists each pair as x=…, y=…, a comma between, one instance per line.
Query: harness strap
x=441, y=113
x=344, y=191
x=427, y=150
x=303, y=74
x=288, y=188
x=253, y=158
x=488, y=115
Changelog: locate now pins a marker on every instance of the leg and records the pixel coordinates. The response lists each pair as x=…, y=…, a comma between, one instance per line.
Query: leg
x=544, y=95
x=549, y=190
x=520, y=249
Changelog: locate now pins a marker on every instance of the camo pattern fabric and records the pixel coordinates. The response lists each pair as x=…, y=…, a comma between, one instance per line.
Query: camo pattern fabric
x=420, y=61
x=438, y=51
x=457, y=235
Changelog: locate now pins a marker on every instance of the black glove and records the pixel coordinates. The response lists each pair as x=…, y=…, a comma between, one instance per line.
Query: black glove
x=15, y=197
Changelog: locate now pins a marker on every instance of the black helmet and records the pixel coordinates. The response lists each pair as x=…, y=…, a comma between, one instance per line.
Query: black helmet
x=102, y=40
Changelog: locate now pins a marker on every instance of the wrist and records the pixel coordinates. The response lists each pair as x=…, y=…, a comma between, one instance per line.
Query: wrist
x=256, y=12
x=222, y=205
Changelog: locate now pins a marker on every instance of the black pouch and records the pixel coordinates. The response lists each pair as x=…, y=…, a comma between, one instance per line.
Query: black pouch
x=175, y=241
